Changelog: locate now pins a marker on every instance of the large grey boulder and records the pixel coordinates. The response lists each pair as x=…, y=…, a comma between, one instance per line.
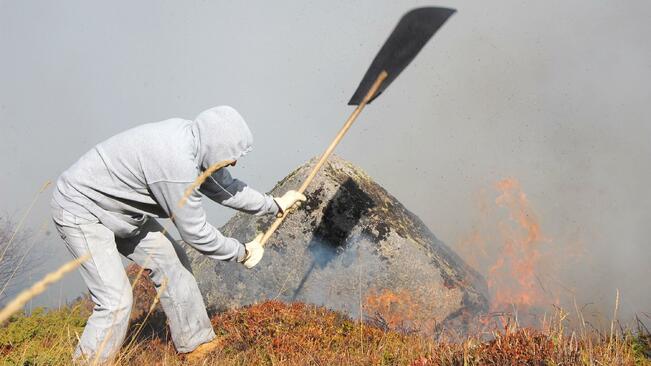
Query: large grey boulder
x=352, y=247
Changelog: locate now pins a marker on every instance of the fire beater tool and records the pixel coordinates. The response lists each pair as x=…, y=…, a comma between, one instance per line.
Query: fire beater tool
x=410, y=35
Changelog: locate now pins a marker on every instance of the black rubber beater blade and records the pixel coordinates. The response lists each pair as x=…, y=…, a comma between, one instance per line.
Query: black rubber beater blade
x=407, y=39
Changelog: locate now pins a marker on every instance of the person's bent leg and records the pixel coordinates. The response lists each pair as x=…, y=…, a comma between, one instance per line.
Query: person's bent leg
x=177, y=288
x=107, y=283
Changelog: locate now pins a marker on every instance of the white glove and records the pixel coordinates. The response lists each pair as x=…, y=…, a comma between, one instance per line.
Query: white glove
x=254, y=252
x=291, y=199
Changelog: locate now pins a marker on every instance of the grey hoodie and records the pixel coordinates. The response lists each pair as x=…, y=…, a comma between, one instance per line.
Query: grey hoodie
x=145, y=171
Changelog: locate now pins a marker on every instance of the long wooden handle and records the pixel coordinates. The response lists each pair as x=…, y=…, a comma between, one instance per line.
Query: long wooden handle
x=349, y=122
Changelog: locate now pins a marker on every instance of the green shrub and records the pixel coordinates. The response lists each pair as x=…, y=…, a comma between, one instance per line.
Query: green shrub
x=43, y=337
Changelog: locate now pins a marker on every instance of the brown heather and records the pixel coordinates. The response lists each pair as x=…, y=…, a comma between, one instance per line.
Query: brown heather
x=275, y=333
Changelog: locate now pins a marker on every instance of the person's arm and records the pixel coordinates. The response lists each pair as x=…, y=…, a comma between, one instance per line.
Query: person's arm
x=190, y=220
x=222, y=188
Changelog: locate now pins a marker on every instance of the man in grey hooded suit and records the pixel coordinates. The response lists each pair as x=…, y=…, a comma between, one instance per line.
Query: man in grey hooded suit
x=106, y=204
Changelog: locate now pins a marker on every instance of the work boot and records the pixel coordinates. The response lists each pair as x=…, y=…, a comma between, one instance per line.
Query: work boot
x=203, y=350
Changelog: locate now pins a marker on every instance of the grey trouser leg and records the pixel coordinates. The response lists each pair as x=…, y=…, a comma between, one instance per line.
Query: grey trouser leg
x=111, y=291
x=179, y=294
x=107, y=282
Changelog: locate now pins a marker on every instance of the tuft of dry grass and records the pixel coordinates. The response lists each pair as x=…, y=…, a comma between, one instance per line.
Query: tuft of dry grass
x=17, y=303
x=202, y=178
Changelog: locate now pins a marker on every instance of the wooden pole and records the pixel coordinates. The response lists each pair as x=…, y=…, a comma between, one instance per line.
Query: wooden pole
x=349, y=122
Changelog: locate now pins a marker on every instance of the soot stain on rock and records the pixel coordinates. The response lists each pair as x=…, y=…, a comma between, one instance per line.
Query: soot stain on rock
x=379, y=232
x=340, y=216
x=314, y=200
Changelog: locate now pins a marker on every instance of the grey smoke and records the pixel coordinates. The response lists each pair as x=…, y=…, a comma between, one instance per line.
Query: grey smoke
x=553, y=93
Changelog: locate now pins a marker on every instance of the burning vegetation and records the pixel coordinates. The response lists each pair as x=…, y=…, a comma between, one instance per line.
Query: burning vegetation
x=512, y=278
x=275, y=333
x=520, y=263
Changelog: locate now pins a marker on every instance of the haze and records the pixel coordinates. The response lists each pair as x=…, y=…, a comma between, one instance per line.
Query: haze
x=555, y=94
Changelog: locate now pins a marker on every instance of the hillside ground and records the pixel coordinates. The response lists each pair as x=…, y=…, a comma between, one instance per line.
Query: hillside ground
x=275, y=333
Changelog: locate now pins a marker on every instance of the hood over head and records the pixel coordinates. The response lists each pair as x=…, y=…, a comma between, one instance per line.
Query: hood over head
x=222, y=135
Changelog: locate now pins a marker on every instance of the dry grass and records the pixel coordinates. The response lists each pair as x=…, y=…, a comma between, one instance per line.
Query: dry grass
x=275, y=333
x=16, y=304
x=202, y=178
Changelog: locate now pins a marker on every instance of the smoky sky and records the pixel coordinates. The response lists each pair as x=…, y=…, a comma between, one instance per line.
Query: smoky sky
x=555, y=94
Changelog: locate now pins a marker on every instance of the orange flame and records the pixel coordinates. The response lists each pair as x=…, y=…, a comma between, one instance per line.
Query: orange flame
x=402, y=309
x=512, y=278
x=509, y=248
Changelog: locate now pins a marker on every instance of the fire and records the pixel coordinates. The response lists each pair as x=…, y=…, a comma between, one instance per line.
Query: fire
x=402, y=309
x=394, y=307
x=509, y=248
x=512, y=278
x=525, y=269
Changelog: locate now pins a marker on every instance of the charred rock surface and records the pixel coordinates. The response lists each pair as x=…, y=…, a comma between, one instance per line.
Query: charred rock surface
x=352, y=246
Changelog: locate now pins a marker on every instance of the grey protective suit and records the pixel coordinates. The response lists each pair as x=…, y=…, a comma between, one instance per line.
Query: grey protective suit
x=105, y=205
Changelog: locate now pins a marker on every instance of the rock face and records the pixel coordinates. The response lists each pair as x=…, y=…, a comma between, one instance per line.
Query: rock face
x=354, y=248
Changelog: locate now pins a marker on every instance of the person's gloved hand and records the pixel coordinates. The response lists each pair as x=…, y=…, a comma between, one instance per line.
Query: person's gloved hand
x=254, y=252
x=291, y=199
